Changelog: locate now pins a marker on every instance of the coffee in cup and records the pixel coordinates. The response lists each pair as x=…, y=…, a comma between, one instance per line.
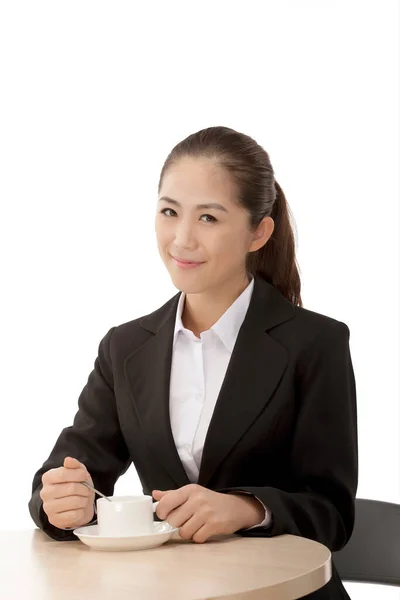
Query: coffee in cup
x=125, y=516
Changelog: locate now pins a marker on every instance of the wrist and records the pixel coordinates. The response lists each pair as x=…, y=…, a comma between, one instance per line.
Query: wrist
x=252, y=510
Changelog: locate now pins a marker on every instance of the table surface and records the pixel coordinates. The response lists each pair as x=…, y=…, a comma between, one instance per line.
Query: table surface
x=284, y=567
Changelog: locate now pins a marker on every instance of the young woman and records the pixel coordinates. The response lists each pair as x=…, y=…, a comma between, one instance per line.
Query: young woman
x=236, y=405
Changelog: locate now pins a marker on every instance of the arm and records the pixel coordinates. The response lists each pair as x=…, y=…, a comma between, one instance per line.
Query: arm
x=324, y=448
x=95, y=439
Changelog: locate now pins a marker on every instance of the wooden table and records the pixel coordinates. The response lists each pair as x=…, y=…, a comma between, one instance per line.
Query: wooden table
x=280, y=568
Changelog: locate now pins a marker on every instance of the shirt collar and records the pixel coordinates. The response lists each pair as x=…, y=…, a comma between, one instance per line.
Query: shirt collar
x=227, y=327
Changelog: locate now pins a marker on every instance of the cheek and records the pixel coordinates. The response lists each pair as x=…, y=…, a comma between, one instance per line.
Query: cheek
x=227, y=248
x=161, y=234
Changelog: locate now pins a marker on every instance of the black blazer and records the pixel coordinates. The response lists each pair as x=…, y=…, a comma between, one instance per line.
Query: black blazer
x=284, y=427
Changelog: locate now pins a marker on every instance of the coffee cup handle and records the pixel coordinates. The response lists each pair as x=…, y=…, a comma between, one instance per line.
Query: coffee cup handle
x=155, y=504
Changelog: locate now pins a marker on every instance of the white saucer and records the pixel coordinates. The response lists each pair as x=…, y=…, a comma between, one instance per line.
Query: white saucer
x=89, y=535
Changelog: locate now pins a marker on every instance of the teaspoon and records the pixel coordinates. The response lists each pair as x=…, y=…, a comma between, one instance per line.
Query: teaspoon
x=94, y=490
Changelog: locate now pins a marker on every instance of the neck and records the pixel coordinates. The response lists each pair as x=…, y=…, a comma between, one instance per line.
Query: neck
x=201, y=311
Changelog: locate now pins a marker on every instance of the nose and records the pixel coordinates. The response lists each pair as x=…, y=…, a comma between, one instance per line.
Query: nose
x=184, y=236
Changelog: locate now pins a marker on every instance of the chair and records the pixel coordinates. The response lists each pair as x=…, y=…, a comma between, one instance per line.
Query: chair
x=372, y=555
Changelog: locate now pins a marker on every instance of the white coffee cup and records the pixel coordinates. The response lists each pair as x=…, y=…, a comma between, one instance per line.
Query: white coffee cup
x=126, y=515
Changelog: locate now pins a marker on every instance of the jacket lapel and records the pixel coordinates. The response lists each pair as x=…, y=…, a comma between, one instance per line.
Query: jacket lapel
x=148, y=371
x=254, y=371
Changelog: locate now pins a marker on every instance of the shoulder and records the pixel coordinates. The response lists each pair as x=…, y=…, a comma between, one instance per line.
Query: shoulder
x=321, y=340
x=305, y=319
x=294, y=325
x=309, y=332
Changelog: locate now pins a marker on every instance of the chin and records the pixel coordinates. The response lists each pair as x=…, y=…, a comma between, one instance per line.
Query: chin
x=182, y=283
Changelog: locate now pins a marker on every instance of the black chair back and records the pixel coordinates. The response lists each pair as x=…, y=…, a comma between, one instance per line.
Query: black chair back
x=372, y=555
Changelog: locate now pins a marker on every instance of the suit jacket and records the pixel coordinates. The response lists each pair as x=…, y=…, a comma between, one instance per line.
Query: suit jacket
x=284, y=426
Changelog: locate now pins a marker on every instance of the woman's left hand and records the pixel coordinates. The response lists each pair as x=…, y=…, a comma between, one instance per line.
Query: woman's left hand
x=201, y=513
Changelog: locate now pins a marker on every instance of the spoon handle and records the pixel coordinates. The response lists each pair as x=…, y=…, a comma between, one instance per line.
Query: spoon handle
x=94, y=490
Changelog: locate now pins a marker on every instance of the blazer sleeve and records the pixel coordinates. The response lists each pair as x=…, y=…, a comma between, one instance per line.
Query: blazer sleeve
x=95, y=439
x=324, y=458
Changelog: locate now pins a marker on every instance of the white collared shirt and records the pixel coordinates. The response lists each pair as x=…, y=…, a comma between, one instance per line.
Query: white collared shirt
x=197, y=371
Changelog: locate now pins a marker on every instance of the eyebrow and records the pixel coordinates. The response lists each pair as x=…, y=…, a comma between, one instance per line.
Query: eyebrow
x=208, y=205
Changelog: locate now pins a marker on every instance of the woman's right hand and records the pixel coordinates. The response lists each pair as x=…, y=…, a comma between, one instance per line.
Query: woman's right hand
x=66, y=502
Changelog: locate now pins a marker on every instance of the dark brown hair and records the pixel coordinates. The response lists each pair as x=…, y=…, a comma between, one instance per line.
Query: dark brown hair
x=258, y=191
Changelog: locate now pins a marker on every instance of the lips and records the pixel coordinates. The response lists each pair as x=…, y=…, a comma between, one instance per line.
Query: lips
x=186, y=262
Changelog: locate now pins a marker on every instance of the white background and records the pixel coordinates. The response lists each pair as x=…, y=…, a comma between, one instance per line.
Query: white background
x=94, y=96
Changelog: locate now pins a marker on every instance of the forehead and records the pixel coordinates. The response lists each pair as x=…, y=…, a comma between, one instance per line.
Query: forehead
x=197, y=179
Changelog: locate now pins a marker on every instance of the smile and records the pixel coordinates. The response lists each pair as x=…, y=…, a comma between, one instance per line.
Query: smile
x=186, y=265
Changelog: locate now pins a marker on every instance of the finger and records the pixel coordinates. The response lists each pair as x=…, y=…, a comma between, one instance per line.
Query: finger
x=67, y=518
x=203, y=534
x=158, y=494
x=73, y=463
x=191, y=527
x=61, y=505
x=180, y=515
x=63, y=490
x=64, y=475
x=172, y=500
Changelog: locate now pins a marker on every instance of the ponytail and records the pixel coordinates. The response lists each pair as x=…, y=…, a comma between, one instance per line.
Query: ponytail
x=276, y=260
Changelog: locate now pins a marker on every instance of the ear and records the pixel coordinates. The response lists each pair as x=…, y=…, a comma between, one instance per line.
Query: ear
x=262, y=234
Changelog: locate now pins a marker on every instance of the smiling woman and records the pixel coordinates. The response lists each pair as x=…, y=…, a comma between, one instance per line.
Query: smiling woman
x=236, y=404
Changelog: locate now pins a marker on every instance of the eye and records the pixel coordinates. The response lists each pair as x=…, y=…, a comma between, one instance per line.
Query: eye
x=213, y=219
x=164, y=209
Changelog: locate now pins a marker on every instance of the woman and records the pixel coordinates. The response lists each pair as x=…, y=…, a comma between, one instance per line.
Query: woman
x=277, y=452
